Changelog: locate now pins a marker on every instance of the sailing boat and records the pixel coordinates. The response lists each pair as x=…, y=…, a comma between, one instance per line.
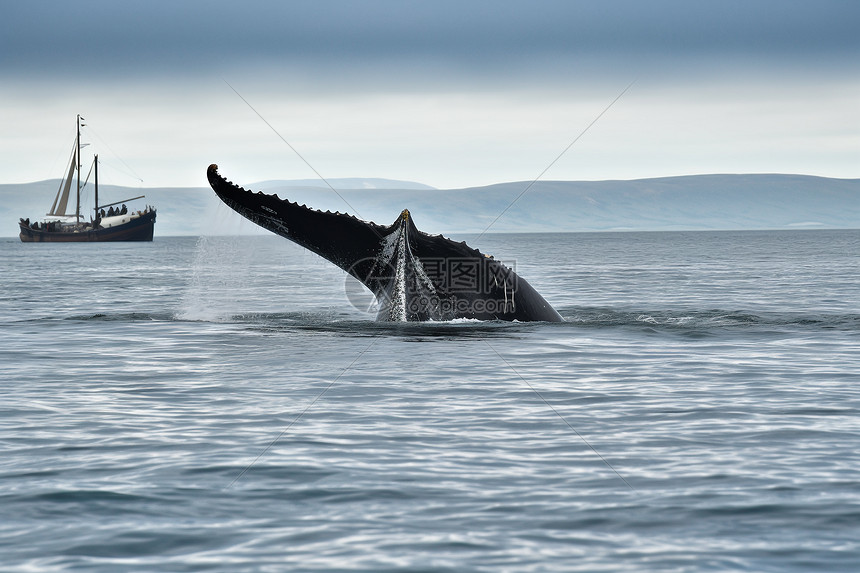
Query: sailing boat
x=118, y=224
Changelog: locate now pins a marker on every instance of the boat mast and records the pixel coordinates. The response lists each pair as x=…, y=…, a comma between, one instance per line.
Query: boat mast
x=96, y=161
x=78, y=167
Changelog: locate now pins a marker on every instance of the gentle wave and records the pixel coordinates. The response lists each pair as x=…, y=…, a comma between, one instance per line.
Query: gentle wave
x=704, y=319
x=596, y=317
x=157, y=416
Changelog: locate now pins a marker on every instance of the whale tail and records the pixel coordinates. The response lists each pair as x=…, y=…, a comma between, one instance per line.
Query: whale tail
x=414, y=276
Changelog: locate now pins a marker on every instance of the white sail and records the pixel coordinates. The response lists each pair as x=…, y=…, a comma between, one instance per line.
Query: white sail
x=58, y=209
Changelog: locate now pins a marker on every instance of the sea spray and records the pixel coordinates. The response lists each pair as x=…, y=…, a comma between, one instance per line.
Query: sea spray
x=216, y=276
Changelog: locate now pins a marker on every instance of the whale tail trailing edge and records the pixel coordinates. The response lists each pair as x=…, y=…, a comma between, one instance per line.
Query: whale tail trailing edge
x=337, y=237
x=414, y=276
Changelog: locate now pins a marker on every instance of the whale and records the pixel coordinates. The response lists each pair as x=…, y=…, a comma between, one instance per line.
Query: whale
x=413, y=275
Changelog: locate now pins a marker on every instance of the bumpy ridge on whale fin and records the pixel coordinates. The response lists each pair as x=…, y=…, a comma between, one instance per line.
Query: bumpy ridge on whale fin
x=342, y=239
x=338, y=237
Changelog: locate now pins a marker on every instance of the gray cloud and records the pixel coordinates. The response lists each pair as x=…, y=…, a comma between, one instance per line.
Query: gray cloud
x=450, y=93
x=110, y=38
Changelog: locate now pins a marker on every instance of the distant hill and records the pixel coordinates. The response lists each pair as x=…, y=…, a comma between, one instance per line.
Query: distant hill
x=341, y=183
x=697, y=202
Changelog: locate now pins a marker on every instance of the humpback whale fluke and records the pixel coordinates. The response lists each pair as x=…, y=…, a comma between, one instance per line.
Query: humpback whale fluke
x=414, y=276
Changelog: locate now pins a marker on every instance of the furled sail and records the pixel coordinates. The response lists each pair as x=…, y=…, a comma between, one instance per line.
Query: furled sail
x=58, y=209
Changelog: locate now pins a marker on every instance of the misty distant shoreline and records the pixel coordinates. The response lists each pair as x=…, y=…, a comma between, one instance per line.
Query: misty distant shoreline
x=682, y=203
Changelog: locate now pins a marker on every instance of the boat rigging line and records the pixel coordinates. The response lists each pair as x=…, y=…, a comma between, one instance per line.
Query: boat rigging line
x=131, y=172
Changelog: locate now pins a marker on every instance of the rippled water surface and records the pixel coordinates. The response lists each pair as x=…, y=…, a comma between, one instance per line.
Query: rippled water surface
x=218, y=404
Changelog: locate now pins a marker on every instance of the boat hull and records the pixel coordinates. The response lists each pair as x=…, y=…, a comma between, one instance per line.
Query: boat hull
x=138, y=229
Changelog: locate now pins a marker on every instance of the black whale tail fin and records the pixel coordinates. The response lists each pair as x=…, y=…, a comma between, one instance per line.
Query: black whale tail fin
x=340, y=238
x=401, y=265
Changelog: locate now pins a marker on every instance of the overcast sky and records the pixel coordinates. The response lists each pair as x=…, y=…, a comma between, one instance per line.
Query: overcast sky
x=447, y=93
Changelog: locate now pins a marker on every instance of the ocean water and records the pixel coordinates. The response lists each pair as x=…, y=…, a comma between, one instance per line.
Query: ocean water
x=227, y=404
